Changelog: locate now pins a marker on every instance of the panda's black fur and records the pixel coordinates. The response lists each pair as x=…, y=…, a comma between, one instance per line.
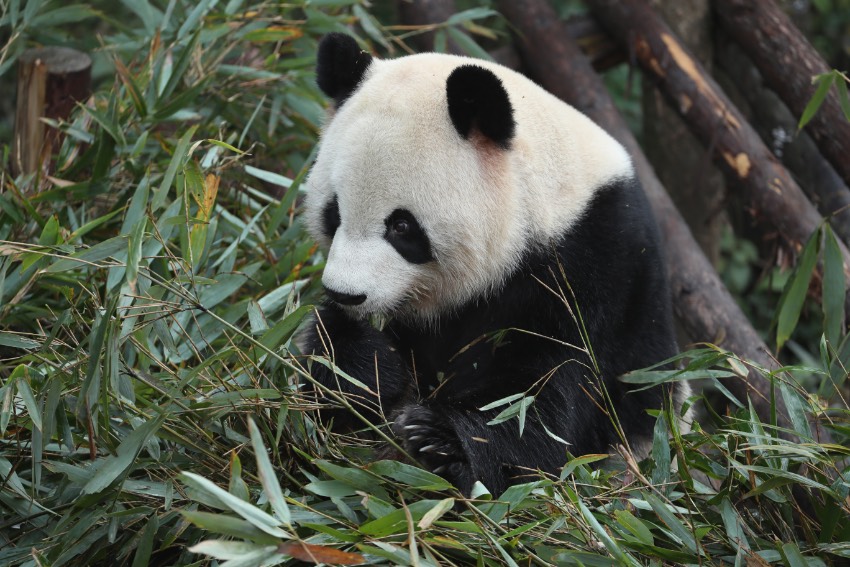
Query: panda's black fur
x=604, y=274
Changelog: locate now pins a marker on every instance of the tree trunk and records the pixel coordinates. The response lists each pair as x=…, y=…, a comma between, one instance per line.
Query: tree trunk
x=788, y=62
x=427, y=12
x=777, y=126
x=51, y=80
x=702, y=304
x=775, y=199
x=682, y=163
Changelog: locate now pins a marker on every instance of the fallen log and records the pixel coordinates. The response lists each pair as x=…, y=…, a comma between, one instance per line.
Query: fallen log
x=775, y=200
x=776, y=126
x=788, y=62
x=702, y=304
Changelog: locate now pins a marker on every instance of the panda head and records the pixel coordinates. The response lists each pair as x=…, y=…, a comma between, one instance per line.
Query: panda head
x=436, y=173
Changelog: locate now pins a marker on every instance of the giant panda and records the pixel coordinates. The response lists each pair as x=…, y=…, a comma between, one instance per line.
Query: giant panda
x=503, y=241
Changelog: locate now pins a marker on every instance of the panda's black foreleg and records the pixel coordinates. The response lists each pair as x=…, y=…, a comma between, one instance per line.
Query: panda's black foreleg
x=459, y=444
x=380, y=377
x=432, y=441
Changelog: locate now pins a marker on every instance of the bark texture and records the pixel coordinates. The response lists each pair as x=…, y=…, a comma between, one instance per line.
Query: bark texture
x=681, y=161
x=777, y=127
x=788, y=62
x=775, y=200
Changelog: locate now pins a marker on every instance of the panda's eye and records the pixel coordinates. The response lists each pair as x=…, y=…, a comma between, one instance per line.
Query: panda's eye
x=407, y=236
x=330, y=218
x=401, y=226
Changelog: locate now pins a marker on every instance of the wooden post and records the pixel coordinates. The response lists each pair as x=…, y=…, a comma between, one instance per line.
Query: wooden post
x=51, y=80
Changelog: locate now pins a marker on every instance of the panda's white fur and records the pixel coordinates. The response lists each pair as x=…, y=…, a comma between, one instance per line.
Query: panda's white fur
x=393, y=144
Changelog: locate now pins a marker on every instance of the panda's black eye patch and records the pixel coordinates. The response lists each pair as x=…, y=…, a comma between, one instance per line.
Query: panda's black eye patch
x=330, y=218
x=407, y=237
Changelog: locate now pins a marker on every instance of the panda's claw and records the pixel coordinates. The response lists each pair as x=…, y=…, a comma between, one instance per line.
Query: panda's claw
x=427, y=436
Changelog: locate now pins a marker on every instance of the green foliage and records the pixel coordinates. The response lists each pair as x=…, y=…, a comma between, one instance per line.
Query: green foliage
x=824, y=83
x=149, y=292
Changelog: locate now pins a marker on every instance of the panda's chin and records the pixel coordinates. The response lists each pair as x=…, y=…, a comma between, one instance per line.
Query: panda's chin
x=408, y=312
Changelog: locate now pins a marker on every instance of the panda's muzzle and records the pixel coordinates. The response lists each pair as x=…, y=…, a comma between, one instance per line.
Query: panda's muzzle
x=344, y=298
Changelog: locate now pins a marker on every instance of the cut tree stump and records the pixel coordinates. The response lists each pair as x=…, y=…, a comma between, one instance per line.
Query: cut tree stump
x=788, y=62
x=702, y=304
x=51, y=81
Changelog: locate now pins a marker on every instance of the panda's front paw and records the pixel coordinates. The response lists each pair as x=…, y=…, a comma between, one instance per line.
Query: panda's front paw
x=428, y=438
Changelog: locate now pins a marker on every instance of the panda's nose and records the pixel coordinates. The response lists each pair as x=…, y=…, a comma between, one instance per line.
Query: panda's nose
x=344, y=298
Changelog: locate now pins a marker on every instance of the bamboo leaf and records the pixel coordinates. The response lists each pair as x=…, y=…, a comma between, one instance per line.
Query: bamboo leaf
x=793, y=557
x=249, y=512
x=823, y=82
x=468, y=44
x=63, y=15
x=268, y=477
x=88, y=256
x=229, y=526
x=231, y=549
x=833, y=287
x=471, y=14
x=146, y=543
x=660, y=451
x=682, y=532
x=635, y=526
x=25, y=392
x=843, y=97
x=176, y=161
x=611, y=545
x=794, y=296
x=114, y=466
x=134, y=253
x=414, y=477
x=733, y=525
x=436, y=513
x=268, y=176
x=151, y=17
x=256, y=318
x=796, y=407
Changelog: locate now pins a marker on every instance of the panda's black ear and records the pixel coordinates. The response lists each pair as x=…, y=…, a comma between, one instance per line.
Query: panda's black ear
x=340, y=66
x=478, y=102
